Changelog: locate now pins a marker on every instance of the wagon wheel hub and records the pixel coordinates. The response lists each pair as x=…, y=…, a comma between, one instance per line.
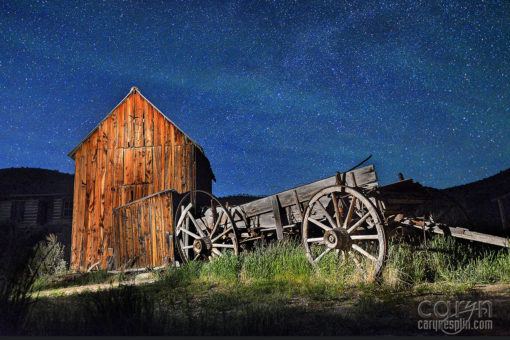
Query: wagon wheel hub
x=202, y=246
x=337, y=238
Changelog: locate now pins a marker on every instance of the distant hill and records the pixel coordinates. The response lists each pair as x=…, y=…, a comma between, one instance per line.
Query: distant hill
x=22, y=181
x=472, y=203
x=497, y=184
x=238, y=199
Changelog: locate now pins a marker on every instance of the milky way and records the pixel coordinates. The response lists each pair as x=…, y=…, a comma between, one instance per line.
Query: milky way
x=278, y=93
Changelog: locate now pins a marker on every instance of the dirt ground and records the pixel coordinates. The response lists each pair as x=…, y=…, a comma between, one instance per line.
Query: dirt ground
x=394, y=315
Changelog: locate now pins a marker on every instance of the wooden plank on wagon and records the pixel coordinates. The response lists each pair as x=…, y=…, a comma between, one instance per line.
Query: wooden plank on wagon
x=277, y=216
x=305, y=192
x=466, y=234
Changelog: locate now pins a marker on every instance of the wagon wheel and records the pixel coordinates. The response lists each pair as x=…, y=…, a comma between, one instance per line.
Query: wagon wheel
x=351, y=231
x=204, y=228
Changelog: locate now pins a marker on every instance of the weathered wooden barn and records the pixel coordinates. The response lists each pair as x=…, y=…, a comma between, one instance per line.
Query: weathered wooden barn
x=134, y=152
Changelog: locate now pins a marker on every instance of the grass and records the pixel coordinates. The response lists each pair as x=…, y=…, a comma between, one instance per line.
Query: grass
x=409, y=263
x=273, y=290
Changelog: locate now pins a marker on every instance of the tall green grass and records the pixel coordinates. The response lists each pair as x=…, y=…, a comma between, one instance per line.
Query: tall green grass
x=445, y=259
x=260, y=292
x=409, y=262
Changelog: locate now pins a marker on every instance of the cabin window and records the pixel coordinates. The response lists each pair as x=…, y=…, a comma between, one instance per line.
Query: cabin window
x=17, y=211
x=67, y=208
x=43, y=211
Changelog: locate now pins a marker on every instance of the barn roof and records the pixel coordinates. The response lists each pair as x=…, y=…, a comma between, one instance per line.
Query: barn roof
x=133, y=90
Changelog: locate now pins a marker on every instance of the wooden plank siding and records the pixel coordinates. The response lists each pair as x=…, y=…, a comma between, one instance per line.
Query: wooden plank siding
x=144, y=228
x=134, y=152
x=5, y=211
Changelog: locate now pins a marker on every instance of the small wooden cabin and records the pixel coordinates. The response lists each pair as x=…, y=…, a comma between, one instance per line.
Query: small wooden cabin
x=46, y=213
x=134, y=152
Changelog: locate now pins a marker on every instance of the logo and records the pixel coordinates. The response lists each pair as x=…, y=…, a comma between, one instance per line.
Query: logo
x=452, y=317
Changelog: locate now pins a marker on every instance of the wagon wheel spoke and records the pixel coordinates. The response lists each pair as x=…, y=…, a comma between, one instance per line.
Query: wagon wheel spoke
x=202, y=233
x=195, y=236
x=328, y=216
x=364, y=237
x=358, y=214
x=217, y=252
x=315, y=239
x=363, y=252
x=350, y=212
x=358, y=223
x=322, y=225
x=321, y=255
x=220, y=235
x=220, y=216
x=221, y=245
x=358, y=264
x=195, y=223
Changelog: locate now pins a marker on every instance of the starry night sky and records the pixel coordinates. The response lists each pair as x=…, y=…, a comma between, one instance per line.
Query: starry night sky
x=278, y=93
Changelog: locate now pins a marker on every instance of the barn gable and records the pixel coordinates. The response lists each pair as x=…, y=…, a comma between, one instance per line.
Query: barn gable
x=133, y=152
x=134, y=90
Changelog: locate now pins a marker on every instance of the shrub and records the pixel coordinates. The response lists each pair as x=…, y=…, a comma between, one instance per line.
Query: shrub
x=49, y=256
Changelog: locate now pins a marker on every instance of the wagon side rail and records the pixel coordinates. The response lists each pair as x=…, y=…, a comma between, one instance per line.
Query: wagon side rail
x=285, y=209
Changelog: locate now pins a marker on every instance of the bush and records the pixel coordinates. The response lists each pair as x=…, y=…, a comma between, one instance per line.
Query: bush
x=49, y=257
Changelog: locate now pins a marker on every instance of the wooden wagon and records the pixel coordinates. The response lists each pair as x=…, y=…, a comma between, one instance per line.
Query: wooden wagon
x=348, y=213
